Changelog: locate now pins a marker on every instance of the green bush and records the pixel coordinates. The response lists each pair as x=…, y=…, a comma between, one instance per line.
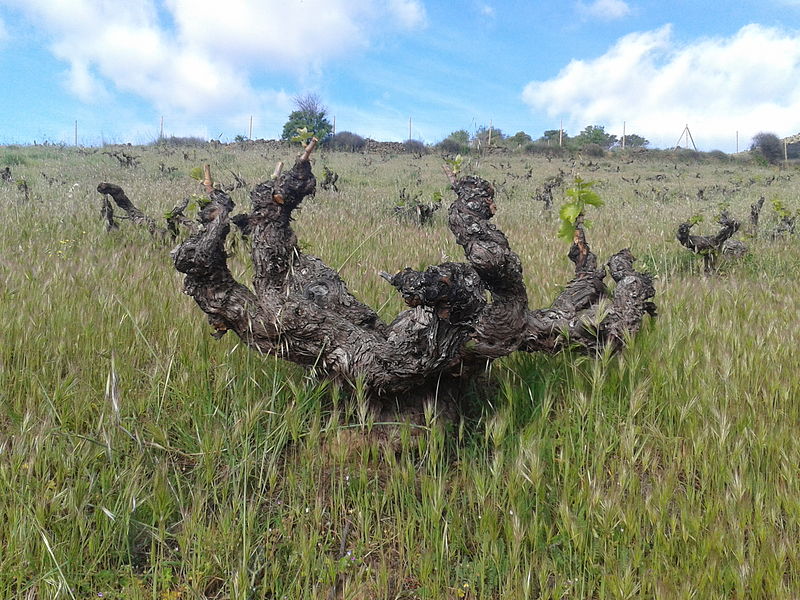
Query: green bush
x=768, y=146
x=451, y=146
x=415, y=147
x=455, y=143
x=719, y=155
x=346, y=141
x=543, y=149
x=595, y=150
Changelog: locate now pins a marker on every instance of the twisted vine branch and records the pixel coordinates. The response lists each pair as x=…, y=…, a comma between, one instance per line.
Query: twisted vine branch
x=300, y=310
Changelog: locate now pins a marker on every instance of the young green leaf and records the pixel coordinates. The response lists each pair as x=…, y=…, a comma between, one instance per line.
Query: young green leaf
x=780, y=208
x=566, y=231
x=455, y=163
x=582, y=195
x=303, y=135
x=592, y=199
x=570, y=212
x=695, y=220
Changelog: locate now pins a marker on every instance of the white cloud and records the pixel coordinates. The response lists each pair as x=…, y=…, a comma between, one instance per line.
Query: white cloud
x=278, y=35
x=607, y=10
x=195, y=57
x=487, y=10
x=410, y=13
x=748, y=82
x=4, y=37
x=83, y=84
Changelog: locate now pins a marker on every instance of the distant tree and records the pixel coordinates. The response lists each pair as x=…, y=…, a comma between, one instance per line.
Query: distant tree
x=636, y=141
x=518, y=140
x=461, y=136
x=551, y=137
x=310, y=104
x=310, y=115
x=484, y=135
x=768, y=146
x=595, y=134
x=455, y=143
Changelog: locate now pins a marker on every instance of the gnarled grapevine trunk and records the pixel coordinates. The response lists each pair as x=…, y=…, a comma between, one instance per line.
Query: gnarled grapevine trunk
x=174, y=219
x=709, y=247
x=461, y=316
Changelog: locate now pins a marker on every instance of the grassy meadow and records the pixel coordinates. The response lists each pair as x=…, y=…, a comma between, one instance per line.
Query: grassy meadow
x=142, y=459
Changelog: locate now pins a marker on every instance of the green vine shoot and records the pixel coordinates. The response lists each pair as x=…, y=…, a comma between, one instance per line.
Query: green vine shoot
x=456, y=164
x=781, y=209
x=571, y=214
x=303, y=136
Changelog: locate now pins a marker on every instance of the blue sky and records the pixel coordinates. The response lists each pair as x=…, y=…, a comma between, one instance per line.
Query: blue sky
x=207, y=66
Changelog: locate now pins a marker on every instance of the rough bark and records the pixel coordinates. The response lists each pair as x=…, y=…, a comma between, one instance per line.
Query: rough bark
x=174, y=220
x=124, y=159
x=710, y=246
x=121, y=199
x=755, y=213
x=107, y=212
x=784, y=227
x=544, y=193
x=300, y=310
x=329, y=180
x=417, y=213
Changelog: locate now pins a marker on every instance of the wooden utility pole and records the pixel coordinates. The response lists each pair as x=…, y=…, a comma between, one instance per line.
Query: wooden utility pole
x=250, y=135
x=623, y=135
x=161, y=131
x=489, y=141
x=409, y=128
x=76, y=132
x=560, y=132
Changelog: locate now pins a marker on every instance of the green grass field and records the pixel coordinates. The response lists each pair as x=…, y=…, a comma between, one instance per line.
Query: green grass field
x=142, y=459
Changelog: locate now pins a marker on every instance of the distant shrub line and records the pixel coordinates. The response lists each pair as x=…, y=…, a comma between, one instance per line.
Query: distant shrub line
x=592, y=142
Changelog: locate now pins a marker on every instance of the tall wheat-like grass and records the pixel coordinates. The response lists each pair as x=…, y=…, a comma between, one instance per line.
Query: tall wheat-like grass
x=140, y=458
